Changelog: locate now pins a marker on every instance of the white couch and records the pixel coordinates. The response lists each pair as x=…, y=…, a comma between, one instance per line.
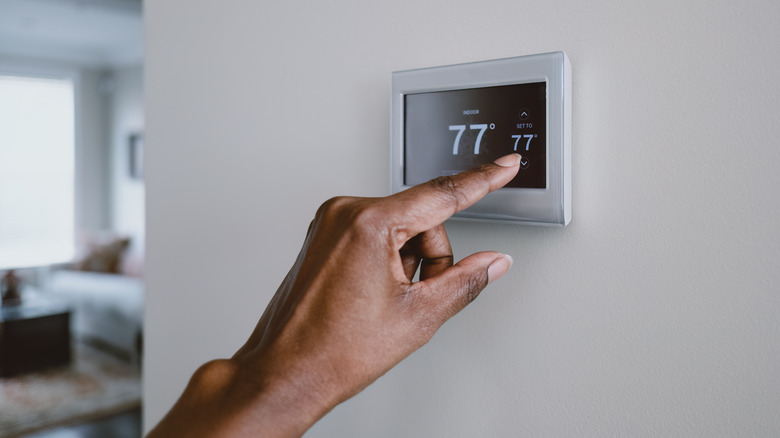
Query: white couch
x=107, y=309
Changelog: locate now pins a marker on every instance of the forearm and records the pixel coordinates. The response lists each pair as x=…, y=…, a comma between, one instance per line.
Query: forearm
x=223, y=399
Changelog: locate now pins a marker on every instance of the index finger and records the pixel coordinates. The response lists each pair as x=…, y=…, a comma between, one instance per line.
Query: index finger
x=424, y=206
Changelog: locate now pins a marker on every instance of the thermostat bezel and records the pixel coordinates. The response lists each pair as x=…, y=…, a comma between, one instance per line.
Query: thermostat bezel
x=533, y=206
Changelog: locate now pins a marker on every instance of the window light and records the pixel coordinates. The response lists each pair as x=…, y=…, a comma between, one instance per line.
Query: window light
x=37, y=161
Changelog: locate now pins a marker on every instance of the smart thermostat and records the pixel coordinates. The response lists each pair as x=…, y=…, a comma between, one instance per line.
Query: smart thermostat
x=449, y=119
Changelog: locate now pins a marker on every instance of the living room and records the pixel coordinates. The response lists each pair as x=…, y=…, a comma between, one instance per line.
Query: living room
x=653, y=313
x=71, y=215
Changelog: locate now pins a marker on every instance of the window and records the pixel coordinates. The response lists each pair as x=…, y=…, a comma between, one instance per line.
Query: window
x=37, y=162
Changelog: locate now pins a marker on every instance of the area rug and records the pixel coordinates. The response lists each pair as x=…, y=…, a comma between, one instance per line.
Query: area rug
x=96, y=384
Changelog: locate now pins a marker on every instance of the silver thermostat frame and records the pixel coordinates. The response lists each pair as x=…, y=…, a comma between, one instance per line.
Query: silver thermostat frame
x=532, y=206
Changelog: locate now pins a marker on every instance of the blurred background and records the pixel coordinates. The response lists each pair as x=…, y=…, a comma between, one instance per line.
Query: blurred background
x=71, y=217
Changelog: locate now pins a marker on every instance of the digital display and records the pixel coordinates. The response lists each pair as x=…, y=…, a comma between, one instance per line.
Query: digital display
x=447, y=132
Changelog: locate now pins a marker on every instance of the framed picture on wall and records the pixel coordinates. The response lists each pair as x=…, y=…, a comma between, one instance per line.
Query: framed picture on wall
x=136, y=155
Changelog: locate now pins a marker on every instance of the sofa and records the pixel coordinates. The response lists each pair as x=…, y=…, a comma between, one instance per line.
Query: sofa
x=107, y=309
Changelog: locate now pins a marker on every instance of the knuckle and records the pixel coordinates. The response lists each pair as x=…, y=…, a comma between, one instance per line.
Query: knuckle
x=472, y=286
x=367, y=215
x=438, y=261
x=450, y=189
x=332, y=206
x=445, y=183
x=440, y=241
x=360, y=215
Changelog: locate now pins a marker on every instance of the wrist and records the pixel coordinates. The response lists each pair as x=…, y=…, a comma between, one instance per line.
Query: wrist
x=226, y=398
x=279, y=402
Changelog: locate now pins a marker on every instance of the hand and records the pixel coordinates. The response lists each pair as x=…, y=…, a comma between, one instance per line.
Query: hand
x=349, y=310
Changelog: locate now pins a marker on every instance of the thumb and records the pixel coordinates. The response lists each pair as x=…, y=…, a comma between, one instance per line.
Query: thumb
x=457, y=286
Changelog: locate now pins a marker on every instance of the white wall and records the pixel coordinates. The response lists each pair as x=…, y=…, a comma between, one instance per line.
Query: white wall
x=92, y=153
x=655, y=313
x=127, y=118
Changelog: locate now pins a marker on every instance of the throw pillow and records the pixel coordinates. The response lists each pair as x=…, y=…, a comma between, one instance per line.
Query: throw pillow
x=104, y=257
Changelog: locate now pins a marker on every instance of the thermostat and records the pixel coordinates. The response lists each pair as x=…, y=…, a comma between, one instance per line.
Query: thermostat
x=449, y=119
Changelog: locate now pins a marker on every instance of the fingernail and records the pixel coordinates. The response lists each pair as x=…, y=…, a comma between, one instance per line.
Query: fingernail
x=499, y=267
x=508, y=160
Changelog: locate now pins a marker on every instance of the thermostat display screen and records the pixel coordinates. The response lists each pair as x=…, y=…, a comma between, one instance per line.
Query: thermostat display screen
x=447, y=132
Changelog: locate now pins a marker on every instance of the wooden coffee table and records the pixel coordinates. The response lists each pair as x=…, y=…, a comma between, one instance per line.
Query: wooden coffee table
x=34, y=335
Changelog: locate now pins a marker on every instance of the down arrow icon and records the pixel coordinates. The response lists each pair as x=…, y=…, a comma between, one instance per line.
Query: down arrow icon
x=523, y=163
